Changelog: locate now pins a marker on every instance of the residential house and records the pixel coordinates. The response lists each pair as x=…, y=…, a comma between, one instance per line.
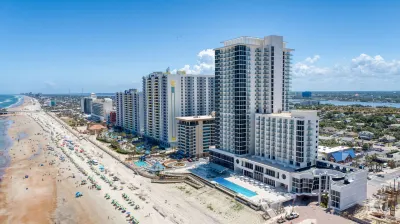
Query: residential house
x=351, y=134
x=324, y=152
x=347, y=120
x=328, y=130
x=394, y=126
x=366, y=135
x=387, y=139
x=346, y=140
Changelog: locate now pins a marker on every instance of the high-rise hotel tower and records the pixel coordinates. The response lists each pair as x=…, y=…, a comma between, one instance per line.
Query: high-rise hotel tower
x=252, y=75
x=252, y=84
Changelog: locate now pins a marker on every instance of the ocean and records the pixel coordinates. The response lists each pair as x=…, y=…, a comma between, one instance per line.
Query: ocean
x=7, y=101
x=5, y=144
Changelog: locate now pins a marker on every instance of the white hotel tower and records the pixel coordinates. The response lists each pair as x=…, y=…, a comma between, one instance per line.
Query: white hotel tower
x=252, y=83
x=252, y=75
x=167, y=96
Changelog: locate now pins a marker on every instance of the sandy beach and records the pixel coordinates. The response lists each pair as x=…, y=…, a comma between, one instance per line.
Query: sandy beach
x=47, y=195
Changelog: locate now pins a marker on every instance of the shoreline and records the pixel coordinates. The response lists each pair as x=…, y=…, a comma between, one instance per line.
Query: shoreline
x=5, y=159
x=24, y=196
x=20, y=102
x=8, y=121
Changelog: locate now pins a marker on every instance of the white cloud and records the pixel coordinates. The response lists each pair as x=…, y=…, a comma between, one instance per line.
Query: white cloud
x=205, y=64
x=306, y=68
x=313, y=59
x=360, y=66
x=366, y=65
x=363, y=72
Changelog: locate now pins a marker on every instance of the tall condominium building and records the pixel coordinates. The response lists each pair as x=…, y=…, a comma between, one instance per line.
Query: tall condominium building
x=130, y=111
x=101, y=109
x=167, y=96
x=195, y=135
x=259, y=138
x=252, y=75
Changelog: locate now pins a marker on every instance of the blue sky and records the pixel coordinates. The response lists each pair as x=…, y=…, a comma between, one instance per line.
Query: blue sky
x=107, y=46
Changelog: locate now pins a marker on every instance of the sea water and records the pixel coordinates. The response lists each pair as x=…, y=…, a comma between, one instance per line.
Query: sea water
x=5, y=144
x=7, y=101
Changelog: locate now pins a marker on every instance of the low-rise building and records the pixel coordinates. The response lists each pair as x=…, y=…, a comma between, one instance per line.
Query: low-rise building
x=344, y=156
x=324, y=152
x=195, y=135
x=328, y=130
x=394, y=126
x=113, y=117
x=366, y=135
x=387, y=139
x=346, y=186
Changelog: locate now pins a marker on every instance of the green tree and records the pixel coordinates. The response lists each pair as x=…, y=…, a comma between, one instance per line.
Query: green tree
x=114, y=144
x=365, y=147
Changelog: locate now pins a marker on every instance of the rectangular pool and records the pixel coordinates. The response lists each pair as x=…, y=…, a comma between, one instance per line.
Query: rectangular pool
x=234, y=187
x=141, y=164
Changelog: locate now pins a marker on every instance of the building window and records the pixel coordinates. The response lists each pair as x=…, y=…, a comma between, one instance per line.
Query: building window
x=270, y=172
x=248, y=165
x=269, y=181
x=335, y=199
x=259, y=169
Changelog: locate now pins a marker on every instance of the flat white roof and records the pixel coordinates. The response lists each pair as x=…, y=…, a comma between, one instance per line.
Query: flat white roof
x=326, y=149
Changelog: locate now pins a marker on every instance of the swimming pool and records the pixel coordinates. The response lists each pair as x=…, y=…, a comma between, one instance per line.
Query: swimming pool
x=234, y=187
x=141, y=164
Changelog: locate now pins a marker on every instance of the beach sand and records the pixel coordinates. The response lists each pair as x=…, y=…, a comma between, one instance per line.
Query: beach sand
x=26, y=200
x=48, y=194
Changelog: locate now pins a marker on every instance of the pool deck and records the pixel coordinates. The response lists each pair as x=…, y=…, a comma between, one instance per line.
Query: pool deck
x=270, y=196
x=263, y=195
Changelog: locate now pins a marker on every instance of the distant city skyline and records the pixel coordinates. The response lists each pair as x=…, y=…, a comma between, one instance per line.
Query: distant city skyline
x=108, y=46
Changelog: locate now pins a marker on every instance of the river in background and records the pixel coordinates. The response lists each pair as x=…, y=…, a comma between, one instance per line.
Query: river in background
x=368, y=104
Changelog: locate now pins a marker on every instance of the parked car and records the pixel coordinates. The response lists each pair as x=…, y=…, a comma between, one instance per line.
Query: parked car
x=380, y=175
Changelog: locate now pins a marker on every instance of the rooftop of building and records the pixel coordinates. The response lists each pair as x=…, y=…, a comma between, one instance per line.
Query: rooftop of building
x=96, y=127
x=326, y=149
x=177, y=74
x=196, y=118
x=293, y=113
x=252, y=41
